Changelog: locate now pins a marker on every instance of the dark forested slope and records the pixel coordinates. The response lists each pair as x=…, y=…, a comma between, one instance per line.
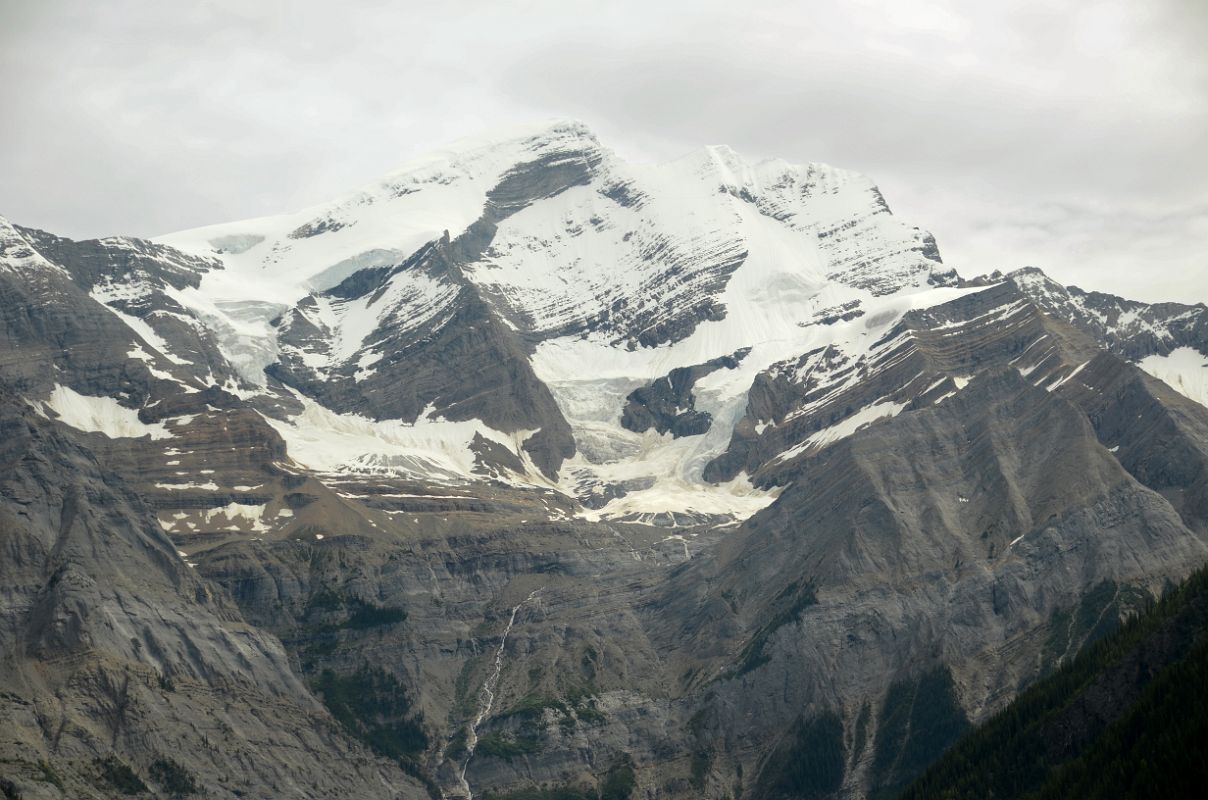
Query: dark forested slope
x=1126, y=718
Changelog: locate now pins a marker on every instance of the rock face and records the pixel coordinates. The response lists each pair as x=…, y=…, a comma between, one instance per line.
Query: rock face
x=529, y=467
x=115, y=648
x=667, y=404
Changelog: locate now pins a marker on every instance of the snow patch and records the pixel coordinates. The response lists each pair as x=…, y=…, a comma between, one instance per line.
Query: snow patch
x=137, y=352
x=437, y=449
x=103, y=415
x=1184, y=369
x=845, y=427
x=236, y=512
x=1063, y=380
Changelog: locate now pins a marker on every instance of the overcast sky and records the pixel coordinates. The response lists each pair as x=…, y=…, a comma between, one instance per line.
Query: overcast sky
x=1069, y=135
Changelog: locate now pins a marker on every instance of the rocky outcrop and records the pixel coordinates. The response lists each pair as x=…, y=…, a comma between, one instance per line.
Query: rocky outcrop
x=52, y=328
x=139, y=282
x=667, y=404
x=1156, y=434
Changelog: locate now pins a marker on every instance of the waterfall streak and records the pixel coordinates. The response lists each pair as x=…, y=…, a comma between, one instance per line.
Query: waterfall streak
x=486, y=695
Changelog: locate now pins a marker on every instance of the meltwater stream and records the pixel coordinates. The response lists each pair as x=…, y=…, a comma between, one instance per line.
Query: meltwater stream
x=486, y=696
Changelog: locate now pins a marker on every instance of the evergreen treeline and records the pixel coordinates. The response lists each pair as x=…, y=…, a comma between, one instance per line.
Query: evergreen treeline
x=1127, y=718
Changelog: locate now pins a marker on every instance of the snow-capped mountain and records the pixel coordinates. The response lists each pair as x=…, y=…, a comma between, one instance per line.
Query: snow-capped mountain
x=517, y=292
x=572, y=468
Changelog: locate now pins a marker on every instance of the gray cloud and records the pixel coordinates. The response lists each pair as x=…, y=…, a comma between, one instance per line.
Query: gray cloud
x=1066, y=135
